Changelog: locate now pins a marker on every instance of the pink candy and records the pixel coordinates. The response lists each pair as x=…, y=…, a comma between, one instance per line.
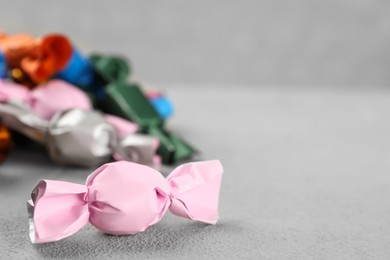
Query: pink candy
x=124, y=198
x=47, y=99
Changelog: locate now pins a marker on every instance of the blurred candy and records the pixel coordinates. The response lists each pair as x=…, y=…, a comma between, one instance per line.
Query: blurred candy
x=122, y=126
x=124, y=198
x=80, y=137
x=45, y=101
x=138, y=148
x=94, y=74
x=52, y=56
x=78, y=71
x=31, y=61
x=5, y=142
x=12, y=91
x=17, y=47
x=128, y=101
x=60, y=115
x=39, y=58
x=110, y=68
x=3, y=65
x=56, y=96
x=19, y=117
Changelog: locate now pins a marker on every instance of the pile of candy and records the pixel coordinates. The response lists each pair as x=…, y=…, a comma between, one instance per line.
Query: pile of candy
x=85, y=110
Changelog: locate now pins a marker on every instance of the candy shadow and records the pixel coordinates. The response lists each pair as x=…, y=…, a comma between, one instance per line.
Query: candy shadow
x=155, y=241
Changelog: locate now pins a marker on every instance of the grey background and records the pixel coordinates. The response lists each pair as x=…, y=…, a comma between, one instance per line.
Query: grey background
x=254, y=42
x=306, y=163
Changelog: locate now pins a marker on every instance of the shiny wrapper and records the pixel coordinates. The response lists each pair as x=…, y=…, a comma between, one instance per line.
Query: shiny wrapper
x=80, y=137
x=128, y=101
x=78, y=71
x=110, y=68
x=137, y=148
x=39, y=58
x=19, y=117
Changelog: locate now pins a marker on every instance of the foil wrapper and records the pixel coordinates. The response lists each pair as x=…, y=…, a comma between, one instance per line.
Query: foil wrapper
x=137, y=148
x=128, y=101
x=80, y=137
x=19, y=117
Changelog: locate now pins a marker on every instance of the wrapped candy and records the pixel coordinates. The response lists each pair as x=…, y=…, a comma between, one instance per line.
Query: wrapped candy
x=78, y=71
x=47, y=100
x=113, y=95
x=87, y=138
x=124, y=198
x=38, y=58
x=138, y=148
x=93, y=74
x=127, y=101
x=110, y=68
x=56, y=96
x=17, y=116
x=80, y=137
x=59, y=116
x=31, y=61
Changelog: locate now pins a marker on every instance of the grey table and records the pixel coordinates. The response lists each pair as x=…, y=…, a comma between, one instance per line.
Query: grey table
x=306, y=177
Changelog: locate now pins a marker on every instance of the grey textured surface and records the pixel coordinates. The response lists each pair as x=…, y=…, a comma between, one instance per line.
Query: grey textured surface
x=273, y=42
x=306, y=177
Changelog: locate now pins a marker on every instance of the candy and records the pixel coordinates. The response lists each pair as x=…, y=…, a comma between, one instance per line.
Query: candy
x=110, y=68
x=56, y=96
x=59, y=116
x=105, y=79
x=138, y=148
x=127, y=101
x=78, y=71
x=124, y=198
x=80, y=137
x=19, y=117
x=39, y=58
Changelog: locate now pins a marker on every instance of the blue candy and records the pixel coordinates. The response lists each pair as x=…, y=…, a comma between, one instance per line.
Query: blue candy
x=78, y=71
x=3, y=65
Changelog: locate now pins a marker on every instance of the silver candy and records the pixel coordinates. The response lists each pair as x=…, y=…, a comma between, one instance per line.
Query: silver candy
x=80, y=137
x=136, y=148
x=19, y=117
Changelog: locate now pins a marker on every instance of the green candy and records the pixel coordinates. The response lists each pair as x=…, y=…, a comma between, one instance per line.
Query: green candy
x=128, y=101
x=110, y=68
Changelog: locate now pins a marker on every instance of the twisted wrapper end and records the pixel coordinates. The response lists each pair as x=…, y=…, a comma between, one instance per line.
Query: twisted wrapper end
x=56, y=210
x=195, y=190
x=46, y=60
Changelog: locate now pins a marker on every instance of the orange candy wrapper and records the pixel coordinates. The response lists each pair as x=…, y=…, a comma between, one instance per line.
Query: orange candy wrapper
x=36, y=58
